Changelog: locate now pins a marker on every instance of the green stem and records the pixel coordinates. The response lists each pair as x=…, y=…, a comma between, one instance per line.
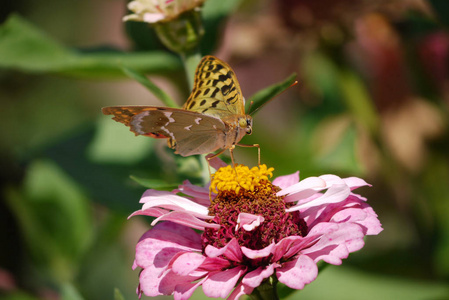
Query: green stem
x=266, y=291
x=191, y=59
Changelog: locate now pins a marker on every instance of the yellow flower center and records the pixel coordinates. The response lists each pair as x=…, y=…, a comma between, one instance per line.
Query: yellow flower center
x=239, y=177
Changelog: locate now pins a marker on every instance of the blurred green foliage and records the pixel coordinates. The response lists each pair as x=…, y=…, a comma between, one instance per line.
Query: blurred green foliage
x=70, y=176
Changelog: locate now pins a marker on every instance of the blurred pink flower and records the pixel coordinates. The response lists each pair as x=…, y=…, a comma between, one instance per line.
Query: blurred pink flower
x=153, y=11
x=280, y=229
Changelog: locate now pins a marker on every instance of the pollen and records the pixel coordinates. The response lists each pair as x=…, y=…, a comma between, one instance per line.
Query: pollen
x=240, y=177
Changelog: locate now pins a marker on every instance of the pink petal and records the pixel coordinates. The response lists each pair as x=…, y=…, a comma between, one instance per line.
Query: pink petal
x=336, y=193
x=164, y=241
x=355, y=182
x=220, y=284
x=255, y=254
x=200, y=194
x=358, y=197
x=332, y=179
x=186, y=219
x=170, y=282
x=216, y=162
x=303, y=196
x=152, y=212
x=349, y=215
x=185, y=290
x=153, y=193
x=149, y=280
x=297, y=273
x=239, y=291
x=310, y=183
x=366, y=217
x=187, y=263
x=286, y=180
x=290, y=246
x=248, y=221
x=215, y=264
x=231, y=250
x=255, y=278
x=336, y=244
x=371, y=223
x=173, y=202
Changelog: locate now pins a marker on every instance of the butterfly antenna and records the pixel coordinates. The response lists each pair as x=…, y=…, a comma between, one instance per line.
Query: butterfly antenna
x=253, y=112
x=250, y=104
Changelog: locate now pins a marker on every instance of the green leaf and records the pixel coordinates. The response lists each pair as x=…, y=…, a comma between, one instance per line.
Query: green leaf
x=69, y=292
x=215, y=12
x=359, y=101
x=55, y=219
x=214, y=9
x=263, y=96
x=342, y=154
x=154, y=183
x=118, y=295
x=142, y=79
x=24, y=47
x=341, y=282
x=113, y=143
x=106, y=179
x=18, y=295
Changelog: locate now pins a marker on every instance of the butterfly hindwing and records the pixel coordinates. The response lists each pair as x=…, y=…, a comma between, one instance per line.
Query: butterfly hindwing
x=216, y=91
x=191, y=132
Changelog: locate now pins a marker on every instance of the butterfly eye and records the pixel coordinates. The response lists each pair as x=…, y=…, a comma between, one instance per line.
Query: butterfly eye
x=249, y=125
x=242, y=122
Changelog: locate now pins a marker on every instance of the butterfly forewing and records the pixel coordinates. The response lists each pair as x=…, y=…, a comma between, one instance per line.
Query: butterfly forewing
x=190, y=132
x=216, y=91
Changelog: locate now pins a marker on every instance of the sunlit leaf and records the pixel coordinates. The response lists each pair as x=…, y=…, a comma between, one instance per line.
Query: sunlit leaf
x=118, y=295
x=215, y=12
x=69, y=292
x=55, y=218
x=358, y=101
x=24, y=47
x=154, y=183
x=263, y=96
x=153, y=88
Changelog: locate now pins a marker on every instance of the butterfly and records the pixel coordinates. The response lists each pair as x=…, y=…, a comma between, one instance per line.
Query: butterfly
x=212, y=118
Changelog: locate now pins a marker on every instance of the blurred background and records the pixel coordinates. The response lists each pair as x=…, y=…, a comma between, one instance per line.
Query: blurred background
x=372, y=101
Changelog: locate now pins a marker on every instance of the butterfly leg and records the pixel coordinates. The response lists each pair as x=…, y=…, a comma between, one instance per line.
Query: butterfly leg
x=208, y=158
x=231, y=152
x=250, y=146
x=215, y=155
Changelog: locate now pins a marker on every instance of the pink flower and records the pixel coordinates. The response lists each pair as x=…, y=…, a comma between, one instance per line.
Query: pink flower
x=153, y=11
x=280, y=230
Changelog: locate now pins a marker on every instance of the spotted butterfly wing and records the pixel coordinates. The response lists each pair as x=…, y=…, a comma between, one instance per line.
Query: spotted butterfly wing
x=216, y=90
x=213, y=117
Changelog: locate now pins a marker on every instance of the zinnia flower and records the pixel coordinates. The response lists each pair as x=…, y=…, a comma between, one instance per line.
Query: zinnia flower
x=153, y=11
x=252, y=230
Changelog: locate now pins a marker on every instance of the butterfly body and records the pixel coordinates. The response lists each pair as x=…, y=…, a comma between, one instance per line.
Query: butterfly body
x=212, y=118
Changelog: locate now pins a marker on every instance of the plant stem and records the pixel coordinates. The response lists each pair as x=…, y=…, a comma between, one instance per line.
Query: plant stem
x=191, y=60
x=266, y=291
